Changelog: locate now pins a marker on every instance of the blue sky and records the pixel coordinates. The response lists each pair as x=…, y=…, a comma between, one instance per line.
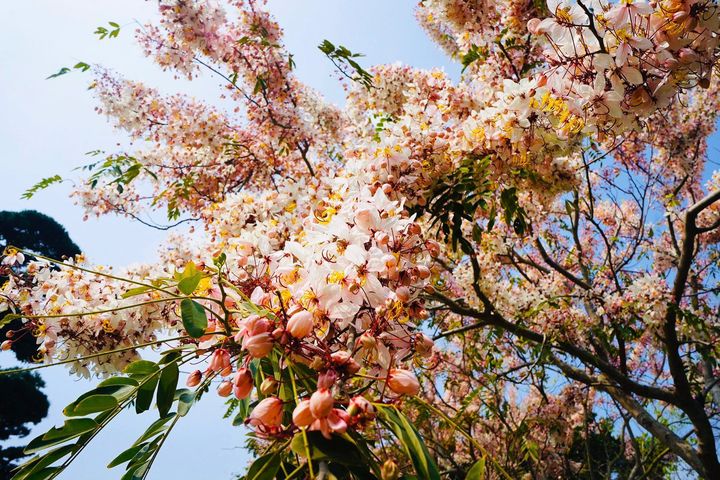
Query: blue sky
x=47, y=125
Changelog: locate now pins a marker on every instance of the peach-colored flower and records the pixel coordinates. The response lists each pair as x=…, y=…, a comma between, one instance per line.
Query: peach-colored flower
x=302, y=416
x=194, y=378
x=267, y=413
x=258, y=346
x=242, y=383
x=225, y=389
x=403, y=382
x=321, y=403
x=300, y=324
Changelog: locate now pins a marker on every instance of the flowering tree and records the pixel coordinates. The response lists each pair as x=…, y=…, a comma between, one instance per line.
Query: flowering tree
x=512, y=276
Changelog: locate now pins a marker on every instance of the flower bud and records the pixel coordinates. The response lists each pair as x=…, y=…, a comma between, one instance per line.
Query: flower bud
x=268, y=412
x=403, y=294
x=225, y=389
x=219, y=360
x=242, y=383
x=433, y=248
x=423, y=272
x=226, y=371
x=344, y=360
x=533, y=26
x=389, y=471
x=268, y=386
x=302, y=416
x=258, y=346
x=321, y=403
x=194, y=378
x=364, y=219
x=403, y=382
x=301, y=324
x=360, y=406
x=326, y=379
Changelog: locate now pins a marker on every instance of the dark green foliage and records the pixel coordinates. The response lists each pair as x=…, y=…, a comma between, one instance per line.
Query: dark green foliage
x=32, y=230
x=455, y=199
x=22, y=404
x=344, y=60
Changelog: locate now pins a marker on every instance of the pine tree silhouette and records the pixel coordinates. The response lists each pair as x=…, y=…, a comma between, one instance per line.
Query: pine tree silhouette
x=26, y=403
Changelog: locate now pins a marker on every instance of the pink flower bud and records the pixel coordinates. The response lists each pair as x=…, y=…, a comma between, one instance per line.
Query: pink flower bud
x=533, y=26
x=267, y=413
x=423, y=272
x=226, y=371
x=433, y=248
x=242, y=383
x=414, y=229
x=258, y=346
x=321, y=403
x=364, y=219
x=194, y=378
x=360, y=406
x=403, y=382
x=219, y=360
x=260, y=325
x=403, y=294
x=302, y=416
x=344, y=360
x=326, y=380
x=225, y=389
x=301, y=324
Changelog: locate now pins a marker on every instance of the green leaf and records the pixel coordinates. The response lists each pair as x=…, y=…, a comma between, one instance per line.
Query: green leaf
x=265, y=467
x=156, y=427
x=94, y=404
x=141, y=367
x=185, y=398
x=43, y=474
x=60, y=72
x=126, y=456
x=188, y=284
x=193, y=318
x=71, y=429
x=45, y=182
x=166, y=388
x=477, y=472
x=39, y=462
x=135, y=291
x=145, y=393
x=341, y=449
x=411, y=442
x=82, y=66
